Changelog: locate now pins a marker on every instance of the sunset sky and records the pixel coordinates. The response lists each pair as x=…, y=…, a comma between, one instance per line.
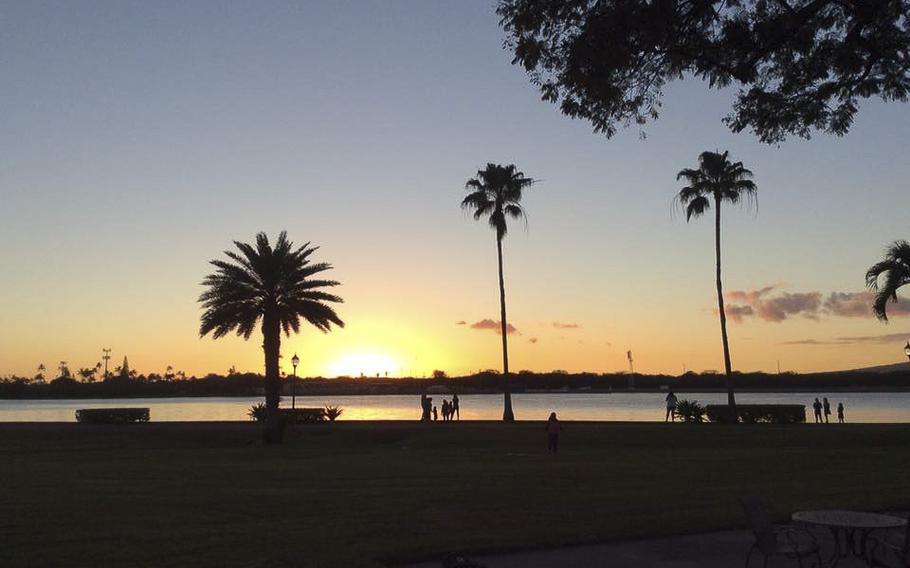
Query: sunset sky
x=138, y=139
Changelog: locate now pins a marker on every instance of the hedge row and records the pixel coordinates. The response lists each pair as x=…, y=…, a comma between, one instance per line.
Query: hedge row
x=112, y=415
x=758, y=413
x=305, y=415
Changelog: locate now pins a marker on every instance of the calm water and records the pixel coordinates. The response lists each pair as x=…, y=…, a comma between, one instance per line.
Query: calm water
x=860, y=407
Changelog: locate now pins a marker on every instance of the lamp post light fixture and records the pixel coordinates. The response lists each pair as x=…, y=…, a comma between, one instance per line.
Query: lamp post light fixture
x=295, y=360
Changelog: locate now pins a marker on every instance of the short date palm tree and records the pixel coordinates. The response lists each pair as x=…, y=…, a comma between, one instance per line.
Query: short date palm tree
x=715, y=181
x=887, y=276
x=495, y=194
x=271, y=285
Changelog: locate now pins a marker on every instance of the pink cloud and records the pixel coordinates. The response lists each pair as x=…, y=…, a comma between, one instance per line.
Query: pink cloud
x=859, y=305
x=769, y=305
x=494, y=325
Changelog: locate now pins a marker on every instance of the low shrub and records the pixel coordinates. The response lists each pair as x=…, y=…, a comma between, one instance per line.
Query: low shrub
x=333, y=412
x=257, y=412
x=690, y=411
x=304, y=415
x=112, y=415
x=758, y=413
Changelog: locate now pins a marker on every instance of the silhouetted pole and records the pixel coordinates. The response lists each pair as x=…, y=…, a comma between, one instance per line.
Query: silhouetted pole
x=295, y=360
x=106, y=357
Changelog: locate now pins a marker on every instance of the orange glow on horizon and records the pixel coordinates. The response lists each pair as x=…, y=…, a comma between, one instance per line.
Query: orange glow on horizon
x=366, y=364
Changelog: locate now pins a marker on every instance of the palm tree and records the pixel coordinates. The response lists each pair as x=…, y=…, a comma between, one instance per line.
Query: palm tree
x=271, y=285
x=717, y=179
x=894, y=271
x=496, y=194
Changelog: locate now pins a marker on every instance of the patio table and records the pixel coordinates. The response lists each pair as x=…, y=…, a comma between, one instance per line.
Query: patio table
x=850, y=529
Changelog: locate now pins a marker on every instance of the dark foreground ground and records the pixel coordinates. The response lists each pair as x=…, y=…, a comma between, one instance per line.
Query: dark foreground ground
x=353, y=494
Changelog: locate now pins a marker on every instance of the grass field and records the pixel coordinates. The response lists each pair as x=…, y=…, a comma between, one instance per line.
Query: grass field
x=354, y=494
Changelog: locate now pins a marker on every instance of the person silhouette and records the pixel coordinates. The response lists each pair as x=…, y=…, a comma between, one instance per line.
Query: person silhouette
x=553, y=429
x=435, y=415
x=454, y=409
x=840, y=412
x=445, y=410
x=671, y=407
x=817, y=406
x=827, y=406
x=424, y=407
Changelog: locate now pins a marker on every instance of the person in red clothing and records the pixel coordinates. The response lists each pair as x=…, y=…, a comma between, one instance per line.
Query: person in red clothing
x=553, y=429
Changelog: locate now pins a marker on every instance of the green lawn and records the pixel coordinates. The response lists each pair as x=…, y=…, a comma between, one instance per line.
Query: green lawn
x=355, y=493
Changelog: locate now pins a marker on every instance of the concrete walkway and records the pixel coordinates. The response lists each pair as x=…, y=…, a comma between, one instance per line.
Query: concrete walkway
x=725, y=549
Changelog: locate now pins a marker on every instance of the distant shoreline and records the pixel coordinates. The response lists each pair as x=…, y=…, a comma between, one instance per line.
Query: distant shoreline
x=582, y=391
x=486, y=382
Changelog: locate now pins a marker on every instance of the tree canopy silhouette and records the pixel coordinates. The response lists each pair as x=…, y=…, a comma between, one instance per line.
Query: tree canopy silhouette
x=799, y=64
x=887, y=276
x=273, y=285
x=496, y=194
x=716, y=179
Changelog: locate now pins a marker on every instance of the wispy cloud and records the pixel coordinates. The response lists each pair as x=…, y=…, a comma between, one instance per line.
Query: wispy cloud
x=854, y=340
x=494, y=325
x=561, y=325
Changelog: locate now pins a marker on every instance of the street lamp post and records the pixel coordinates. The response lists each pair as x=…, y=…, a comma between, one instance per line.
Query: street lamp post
x=295, y=360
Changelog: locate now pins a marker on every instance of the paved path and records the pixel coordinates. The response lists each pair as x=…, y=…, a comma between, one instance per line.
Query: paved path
x=707, y=550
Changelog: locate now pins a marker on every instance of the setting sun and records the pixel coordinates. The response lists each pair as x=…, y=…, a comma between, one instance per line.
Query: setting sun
x=367, y=364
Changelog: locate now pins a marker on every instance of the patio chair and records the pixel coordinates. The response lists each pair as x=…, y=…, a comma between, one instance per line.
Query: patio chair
x=773, y=540
x=891, y=550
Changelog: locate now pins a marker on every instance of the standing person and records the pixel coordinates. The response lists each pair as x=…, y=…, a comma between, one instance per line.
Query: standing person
x=840, y=412
x=435, y=414
x=671, y=407
x=424, y=408
x=445, y=410
x=827, y=406
x=454, y=408
x=553, y=429
x=817, y=406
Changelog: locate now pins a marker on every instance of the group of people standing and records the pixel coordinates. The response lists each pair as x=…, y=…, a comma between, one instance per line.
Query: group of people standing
x=825, y=406
x=451, y=410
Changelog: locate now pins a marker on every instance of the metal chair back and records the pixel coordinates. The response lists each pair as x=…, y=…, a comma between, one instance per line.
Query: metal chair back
x=759, y=518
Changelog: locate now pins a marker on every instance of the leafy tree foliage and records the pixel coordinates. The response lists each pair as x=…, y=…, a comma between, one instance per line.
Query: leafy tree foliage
x=800, y=65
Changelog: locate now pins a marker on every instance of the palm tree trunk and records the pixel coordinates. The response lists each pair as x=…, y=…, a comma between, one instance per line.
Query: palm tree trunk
x=271, y=344
x=507, y=414
x=731, y=401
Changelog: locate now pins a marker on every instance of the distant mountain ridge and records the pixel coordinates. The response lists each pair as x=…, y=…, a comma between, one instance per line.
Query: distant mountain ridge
x=893, y=367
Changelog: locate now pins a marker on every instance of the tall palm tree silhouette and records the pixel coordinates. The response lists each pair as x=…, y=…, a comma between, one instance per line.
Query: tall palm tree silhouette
x=271, y=284
x=717, y=179
x=496, y=194
x=894, y=272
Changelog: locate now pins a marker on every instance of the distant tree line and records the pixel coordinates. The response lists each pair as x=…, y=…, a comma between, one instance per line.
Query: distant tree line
x=254, y=384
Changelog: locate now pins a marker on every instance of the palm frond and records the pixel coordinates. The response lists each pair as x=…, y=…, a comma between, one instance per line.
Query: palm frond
x=889, y=275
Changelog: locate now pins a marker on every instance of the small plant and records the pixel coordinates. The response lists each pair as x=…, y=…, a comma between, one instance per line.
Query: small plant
x=257, y=412
x=333, y=412
x=690, y=411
